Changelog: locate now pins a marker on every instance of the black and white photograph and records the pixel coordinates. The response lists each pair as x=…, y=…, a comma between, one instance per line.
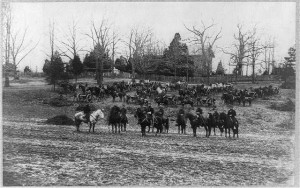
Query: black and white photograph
x=149, y=93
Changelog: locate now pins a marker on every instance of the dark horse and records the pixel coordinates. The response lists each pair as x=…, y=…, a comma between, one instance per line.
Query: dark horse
x=214, y=122
x=114, y=119
x=229, y=123
x=123, y=122
x=143, y=120
x=181, y=123
x=197, y=121
x=158, y=124
x=166, y=124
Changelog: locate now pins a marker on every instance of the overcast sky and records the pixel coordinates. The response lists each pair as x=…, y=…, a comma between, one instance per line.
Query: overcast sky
x=273, y=20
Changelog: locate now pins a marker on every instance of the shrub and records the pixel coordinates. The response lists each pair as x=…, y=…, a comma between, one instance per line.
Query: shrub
x=60, y=120
x=285, y=106
x=288, y=124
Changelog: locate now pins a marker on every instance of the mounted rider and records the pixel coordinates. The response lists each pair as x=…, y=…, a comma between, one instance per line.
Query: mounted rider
x=87, y=112
x=123, y=113
x=150, y=112
x=199, y=113
x=161, y=111
x=232, y=113
x=180, y=113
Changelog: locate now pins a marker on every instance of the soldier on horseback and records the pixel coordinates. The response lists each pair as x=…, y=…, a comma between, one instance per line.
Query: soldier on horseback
x=232, y=113
x=87, y=112
x=150, y=112
x=123, y=113
x=181, y=112
x=199, y=113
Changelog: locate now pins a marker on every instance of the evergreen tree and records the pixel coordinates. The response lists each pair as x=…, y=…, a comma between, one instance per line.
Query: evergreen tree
x=76, y=66
x=54, y=69
x=220, y=69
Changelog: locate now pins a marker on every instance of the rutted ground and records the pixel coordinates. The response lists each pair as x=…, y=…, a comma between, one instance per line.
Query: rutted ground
x=38, y=154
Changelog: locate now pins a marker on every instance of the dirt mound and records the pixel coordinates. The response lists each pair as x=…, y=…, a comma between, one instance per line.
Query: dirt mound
x=60, y=120
x=58, y=102
x=289, y=105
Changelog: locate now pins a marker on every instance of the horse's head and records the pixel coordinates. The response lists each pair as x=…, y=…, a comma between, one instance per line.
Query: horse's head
x=100, y=113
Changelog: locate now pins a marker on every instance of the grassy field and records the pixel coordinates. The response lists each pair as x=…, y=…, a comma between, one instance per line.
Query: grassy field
x=36, y=154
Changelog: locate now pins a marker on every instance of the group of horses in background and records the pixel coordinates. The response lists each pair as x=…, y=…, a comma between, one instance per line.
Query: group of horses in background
x=248, y=95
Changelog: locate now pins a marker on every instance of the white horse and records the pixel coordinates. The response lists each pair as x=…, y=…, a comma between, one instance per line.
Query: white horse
x=94, y=116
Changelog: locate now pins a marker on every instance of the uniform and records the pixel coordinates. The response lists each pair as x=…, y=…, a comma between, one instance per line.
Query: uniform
x=123, y=112
x=87, y=111
x=232, y=113
x=179, y=114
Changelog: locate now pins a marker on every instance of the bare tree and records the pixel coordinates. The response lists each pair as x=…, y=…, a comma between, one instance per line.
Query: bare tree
x=6, y=22
x=255, y=50
x=268, y=46
x=206, y=43
x=71, y=42
x=20, y=49
x=241, y=50
x=138, y=40
x=51, y=38
x=101, y=41
x=16, y=46
x=115, y=40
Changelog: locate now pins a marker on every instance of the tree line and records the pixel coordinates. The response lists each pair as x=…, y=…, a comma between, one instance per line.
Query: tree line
x=143, y=54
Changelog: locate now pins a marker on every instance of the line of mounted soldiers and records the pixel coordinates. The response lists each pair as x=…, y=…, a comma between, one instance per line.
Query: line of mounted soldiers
x=147, y=117
x=243, y=96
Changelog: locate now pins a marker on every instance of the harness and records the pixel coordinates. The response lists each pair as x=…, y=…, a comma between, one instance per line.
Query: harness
x=144, y=120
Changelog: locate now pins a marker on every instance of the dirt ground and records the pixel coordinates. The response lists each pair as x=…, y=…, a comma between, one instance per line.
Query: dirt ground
x=36, y=154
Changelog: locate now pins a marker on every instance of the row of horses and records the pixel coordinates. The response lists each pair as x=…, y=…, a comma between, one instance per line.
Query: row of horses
x=118, y=121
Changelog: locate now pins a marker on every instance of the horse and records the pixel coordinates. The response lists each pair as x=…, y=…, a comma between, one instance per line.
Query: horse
x=229, y=123
x=218, y=123
x=213, y=122
x=181, y=123
x=94, y=116
x=114, y=119
x=166, y=124
x=158, y=124
x=143, y=120
x=123, y=122
x=197, y=121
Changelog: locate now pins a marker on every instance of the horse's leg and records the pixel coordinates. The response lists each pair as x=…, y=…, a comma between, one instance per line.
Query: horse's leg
x=152, y=124
x=77, y=126
x=226, y=132
x=157, y=130
x=178, y=129
x=90, y=127
x=119, y=127
x=143, y=130
x=194, y=130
